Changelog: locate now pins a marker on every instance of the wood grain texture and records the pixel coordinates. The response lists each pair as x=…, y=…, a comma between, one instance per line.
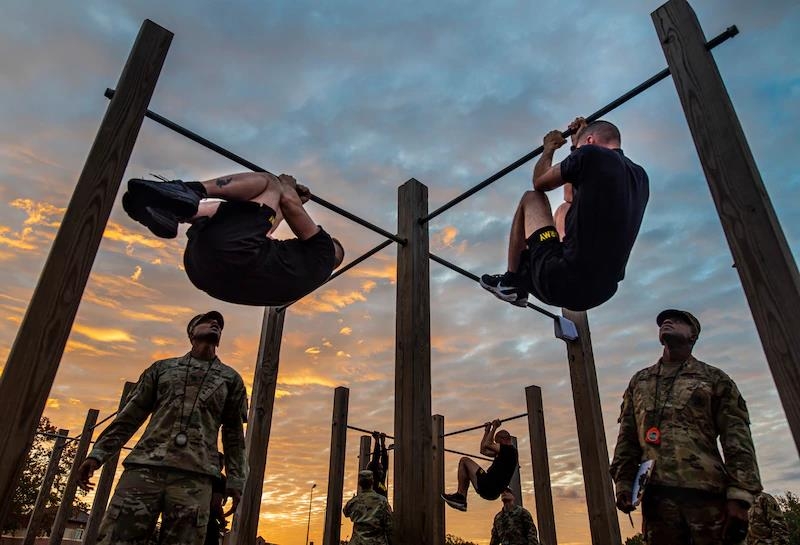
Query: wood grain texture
x=603, y=522
x=65, y=507
x=35, y=520
x=543, y=494
x=35, y=355
x=364, y=452
x=259, y=426
x=762, y=256
x=333, y=507
x=414, y=498
x=516, y=481
x=103, y=489
x=439, y=527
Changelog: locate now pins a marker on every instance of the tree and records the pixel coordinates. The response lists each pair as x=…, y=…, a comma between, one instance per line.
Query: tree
x=790, y=505
x=450, y=539
x=638, y=539
x=24, y=497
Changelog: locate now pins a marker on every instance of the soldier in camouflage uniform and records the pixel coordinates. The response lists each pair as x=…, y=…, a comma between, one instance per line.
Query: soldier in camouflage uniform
x=171, y=468
x=767, y=525
x=370, y=513
x=513, y=525
x=673, y=412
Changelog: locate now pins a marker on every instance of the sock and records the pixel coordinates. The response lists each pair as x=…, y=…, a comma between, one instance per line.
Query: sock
x=198, y=188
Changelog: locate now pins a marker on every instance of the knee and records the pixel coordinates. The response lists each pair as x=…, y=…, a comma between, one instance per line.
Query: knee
x=532, y=195
x=464, y=461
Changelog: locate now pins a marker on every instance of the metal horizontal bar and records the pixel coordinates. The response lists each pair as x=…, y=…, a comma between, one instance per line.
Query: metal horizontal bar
x=368, y=432
x=469, y=455
x=472, y=276
x=482, y=425
x=714, y=42
x=347, y=267
x=161, y=120
x=68, y=439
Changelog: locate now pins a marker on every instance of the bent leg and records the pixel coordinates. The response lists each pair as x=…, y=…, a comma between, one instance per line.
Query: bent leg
x=467, y=473
x=532, y=214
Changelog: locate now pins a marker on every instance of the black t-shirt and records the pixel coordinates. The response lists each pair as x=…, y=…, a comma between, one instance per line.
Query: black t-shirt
x=609, y=199
x=503, y=466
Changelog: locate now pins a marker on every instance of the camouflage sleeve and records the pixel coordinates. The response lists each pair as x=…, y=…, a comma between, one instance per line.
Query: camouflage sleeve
x=495, y=540
x=628, y=452
x=533, y=536
x=389, y=524
x=733, y=425
x=780, y=531
x=233, y=416
x=139, y=406
x=348, y=506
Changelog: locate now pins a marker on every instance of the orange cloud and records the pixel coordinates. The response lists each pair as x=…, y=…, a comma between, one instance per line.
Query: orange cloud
x=307, y=379
x=137, y=273
x=327, y=301
x=346, y=330
x=85, y=349
x=102, y=334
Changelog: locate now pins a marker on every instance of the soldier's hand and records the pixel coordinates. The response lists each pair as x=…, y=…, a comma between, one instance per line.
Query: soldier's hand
x=236, y=497
x=576, y=126
x=85, y=472
x=553, y=140
x=304, y=193
x=288, y=180
x=624, y=501
x=496, y=423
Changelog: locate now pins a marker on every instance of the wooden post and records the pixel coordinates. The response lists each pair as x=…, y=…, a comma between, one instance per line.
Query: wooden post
x=33, y=361
x=103, y=489
x=437, y=484
x=364, y=452
x=516, y=481
x=35, y=520
x=65, y=508
x=603, y=521
x=259, y=426
x=543, y=494
x=760, y=252
x=333, y=507
x=413, y=464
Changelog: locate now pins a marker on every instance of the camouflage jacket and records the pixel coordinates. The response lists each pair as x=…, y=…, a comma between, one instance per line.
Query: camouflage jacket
x=167, y=390
x=372, y=519
x=514, y=527
x=767, y=526
x=704, y=404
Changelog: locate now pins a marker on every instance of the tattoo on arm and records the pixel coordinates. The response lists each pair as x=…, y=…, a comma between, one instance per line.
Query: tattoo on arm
x=222, y=182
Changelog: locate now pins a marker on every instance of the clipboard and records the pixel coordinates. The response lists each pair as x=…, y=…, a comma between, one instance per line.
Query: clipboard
x=641, y=480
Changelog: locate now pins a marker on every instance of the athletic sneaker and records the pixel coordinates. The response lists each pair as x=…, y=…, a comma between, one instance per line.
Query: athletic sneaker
x=161, y=223
x=456, y=501
x=172, y=196
x=503, y=287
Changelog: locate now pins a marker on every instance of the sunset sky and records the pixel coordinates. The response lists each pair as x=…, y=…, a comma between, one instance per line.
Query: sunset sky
x=355, y=98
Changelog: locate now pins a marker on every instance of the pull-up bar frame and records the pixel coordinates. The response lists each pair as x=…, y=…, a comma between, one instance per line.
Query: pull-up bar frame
x=205, y=142
x=729, y=32
x=473, y=428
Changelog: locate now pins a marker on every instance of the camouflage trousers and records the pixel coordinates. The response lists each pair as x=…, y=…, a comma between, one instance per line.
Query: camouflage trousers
x=143, y=493
x=683, y=519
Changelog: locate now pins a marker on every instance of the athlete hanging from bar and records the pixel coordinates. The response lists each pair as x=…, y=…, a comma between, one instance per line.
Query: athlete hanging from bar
x=230, y=253
x=580, y=267
x=379, y=464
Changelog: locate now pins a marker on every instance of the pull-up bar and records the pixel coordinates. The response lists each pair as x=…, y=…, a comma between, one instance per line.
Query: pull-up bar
x=523, y=415
x=730, y=32
x=468, y=455
x=564, y=328
x=161, y=120
x=347, y=267
x=366, y=431
x=70, y=439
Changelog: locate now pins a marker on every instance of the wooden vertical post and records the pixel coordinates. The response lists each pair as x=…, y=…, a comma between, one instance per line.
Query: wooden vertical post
x=259, y=426
x=35, y=520
x=760, y=252
x=364, y=452
x=516, y=481
x=33, y=361
x=333, y=507
x=543, y=494
x=413, y=464
x=103, y=489
x=603, y=521
x=437, y=484
x=65, y=508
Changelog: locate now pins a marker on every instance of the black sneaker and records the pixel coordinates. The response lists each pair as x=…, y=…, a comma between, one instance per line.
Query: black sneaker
x=171, y=196
x=456, y=501
x=502, y=286
x=161, y=223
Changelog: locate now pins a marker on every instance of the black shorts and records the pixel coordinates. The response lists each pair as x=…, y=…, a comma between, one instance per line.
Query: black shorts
x=488, y=487
x=230, y=257
x=555, y=281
